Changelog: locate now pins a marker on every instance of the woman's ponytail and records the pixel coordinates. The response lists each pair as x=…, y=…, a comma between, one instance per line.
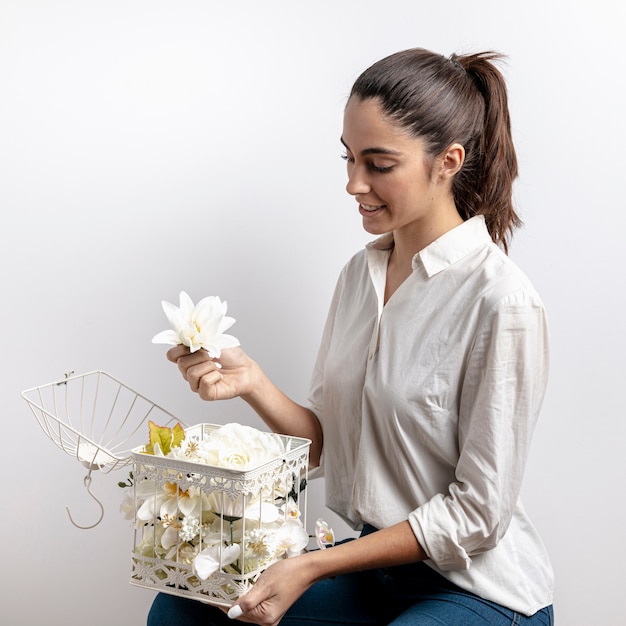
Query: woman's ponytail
x=496, y=169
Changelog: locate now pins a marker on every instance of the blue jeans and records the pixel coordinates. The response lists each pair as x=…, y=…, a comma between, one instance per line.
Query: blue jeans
x=406, y=595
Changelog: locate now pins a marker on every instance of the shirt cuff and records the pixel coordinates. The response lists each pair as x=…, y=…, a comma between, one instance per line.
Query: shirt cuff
x=439, y=542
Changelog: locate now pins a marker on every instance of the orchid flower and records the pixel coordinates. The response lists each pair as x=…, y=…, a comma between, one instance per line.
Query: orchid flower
x=291, y=538
x=169, y=501
x=199, y=326
x=212, y=558
x=291, y=510
x=324, y=535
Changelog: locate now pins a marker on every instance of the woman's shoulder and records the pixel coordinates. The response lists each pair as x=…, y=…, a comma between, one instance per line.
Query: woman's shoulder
x=500, y=280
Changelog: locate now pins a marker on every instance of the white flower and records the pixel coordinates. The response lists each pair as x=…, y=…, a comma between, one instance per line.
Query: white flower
x=150, y=544
x=190, y=527
x=240, y=447
x=188, y=450
x=258, y=544
x=169, y=539
x=291, y=538
x=291, y=510
x=324, y=535
x=252, y=508
x=199, y=326
x=169, y=501
x=212, y=558
x=186, y=553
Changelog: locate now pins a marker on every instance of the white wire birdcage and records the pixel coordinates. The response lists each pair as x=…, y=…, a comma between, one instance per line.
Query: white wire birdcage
x=214, y=508
x=96, y=419
x=103, y=424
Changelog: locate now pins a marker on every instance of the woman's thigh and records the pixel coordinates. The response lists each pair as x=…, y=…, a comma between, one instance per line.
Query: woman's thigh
x=422, y=596
x=469, y=611
x=417, y=594
x=348, y=599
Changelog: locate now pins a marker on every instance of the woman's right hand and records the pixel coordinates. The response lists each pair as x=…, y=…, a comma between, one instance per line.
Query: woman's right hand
x=235, y=374
x=208, y=379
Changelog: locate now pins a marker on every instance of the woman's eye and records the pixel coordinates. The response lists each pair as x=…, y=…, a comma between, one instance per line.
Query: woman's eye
x=380, y=169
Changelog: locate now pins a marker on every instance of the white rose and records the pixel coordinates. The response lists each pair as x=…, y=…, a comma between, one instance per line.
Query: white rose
x=240, y=447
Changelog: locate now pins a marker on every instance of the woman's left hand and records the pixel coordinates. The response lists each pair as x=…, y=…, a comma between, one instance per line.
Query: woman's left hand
x=274, y=592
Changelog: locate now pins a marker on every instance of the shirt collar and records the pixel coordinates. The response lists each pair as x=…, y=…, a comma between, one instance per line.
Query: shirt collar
x=447, y=249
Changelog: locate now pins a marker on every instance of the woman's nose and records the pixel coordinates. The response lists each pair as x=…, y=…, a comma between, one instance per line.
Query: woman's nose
x=357, y=183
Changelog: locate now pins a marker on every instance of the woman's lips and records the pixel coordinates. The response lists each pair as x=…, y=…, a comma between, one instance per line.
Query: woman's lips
x=368, y=210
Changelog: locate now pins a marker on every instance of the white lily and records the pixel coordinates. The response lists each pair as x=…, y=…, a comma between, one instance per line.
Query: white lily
x=198, y=326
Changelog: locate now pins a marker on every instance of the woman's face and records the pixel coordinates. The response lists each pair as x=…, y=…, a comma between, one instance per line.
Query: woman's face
x=390, y=175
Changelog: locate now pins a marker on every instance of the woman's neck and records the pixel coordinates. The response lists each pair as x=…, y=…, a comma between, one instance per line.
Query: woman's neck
x=407, y=242
x=413, y=238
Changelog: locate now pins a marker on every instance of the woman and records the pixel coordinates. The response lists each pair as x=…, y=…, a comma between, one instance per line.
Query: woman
x=429, y=378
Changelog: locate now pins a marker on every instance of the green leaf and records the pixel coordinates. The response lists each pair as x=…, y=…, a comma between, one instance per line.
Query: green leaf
x=166, y=437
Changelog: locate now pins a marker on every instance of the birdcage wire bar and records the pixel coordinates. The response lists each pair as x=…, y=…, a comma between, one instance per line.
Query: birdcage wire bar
x=95, y=418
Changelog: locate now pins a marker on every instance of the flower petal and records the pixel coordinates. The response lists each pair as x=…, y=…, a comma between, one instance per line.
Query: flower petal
x=167, y=336
x=174, y=315
x=146, y=511
x=227, y=341
x=169, y=538
x=209, y=308
x=186, y=305
x=226, y=323
x=208, y=561
x=169, y=507
x=190, y=505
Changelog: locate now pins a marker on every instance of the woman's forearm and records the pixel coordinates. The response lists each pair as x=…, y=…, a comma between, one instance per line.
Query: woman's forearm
x=396, y=545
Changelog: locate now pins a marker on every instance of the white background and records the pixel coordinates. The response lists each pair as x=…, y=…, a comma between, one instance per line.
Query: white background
x=152, y=146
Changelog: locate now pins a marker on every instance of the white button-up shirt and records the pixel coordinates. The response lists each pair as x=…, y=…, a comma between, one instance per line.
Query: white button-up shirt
x=428, y=405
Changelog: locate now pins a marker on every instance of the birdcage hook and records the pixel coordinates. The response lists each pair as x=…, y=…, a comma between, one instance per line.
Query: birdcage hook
x=87, y=482
x=67, y=377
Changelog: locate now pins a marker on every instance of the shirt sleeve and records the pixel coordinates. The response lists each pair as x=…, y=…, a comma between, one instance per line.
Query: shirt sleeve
x=503, y=388
x=315, y=399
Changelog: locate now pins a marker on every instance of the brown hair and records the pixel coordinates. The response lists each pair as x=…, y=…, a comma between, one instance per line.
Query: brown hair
x=461, y=99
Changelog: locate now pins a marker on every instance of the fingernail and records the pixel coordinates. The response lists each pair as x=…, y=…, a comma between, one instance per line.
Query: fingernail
x=235, y=611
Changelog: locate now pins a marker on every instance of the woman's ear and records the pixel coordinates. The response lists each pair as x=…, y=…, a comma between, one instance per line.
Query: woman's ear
x=451, y=161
